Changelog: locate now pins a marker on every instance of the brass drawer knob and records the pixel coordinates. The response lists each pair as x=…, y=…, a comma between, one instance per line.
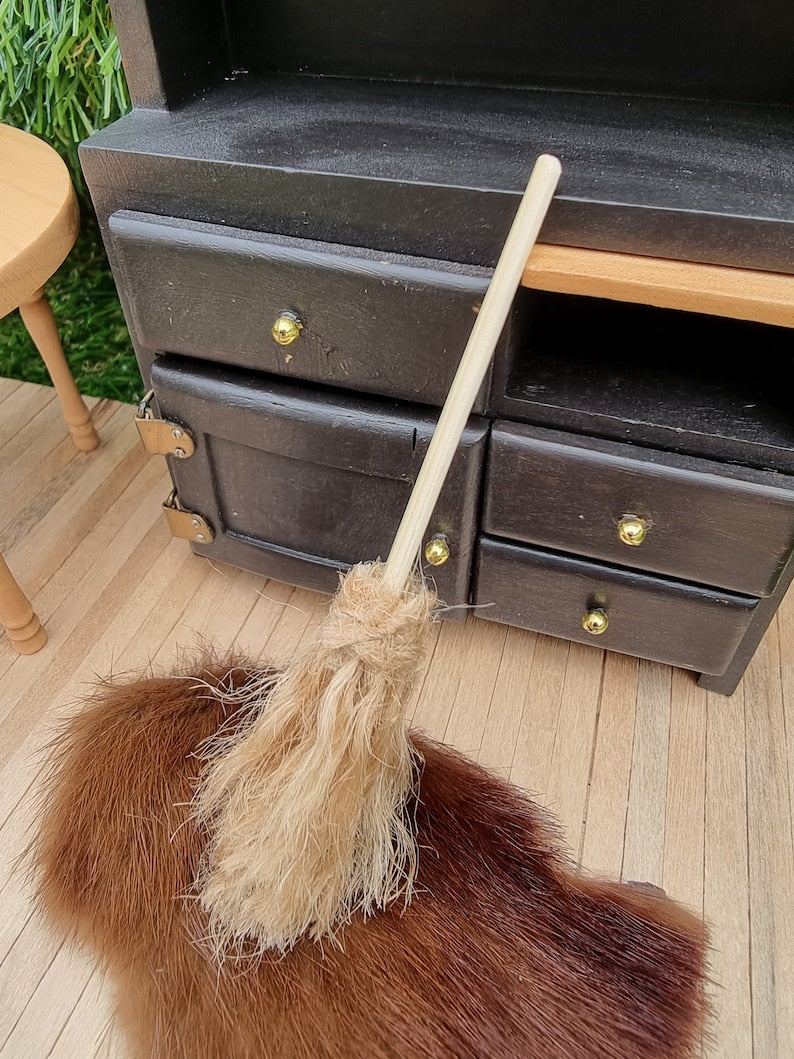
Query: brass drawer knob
x=286, y=328
x=632, y=530
x=437, y=550
x=595, y=621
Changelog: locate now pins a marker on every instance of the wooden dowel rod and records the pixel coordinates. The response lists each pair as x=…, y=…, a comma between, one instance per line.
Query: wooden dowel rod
x=471, y=370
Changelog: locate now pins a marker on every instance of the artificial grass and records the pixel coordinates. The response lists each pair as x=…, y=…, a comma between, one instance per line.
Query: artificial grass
x=91, y=325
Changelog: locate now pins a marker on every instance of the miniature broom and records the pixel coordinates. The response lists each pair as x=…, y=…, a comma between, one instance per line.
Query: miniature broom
x=307, y=806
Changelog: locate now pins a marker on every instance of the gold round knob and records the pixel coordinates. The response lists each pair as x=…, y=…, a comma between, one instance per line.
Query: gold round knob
x=286, y=329
x=595, y=621
x=632, y=530
x=437, y=550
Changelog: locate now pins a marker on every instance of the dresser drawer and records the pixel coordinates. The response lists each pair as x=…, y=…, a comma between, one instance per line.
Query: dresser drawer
x=707, y=522
x=374, y=322
x=651, y=617
x=297, y=483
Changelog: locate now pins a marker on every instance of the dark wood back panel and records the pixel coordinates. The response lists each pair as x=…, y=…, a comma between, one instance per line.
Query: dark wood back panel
x=710, y=49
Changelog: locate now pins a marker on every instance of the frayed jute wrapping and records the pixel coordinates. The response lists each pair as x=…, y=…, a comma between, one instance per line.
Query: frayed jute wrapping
x=308, y=807
x=505, y=951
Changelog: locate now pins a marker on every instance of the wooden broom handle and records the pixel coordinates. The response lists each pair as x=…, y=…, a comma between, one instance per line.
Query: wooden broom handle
x=471, y=370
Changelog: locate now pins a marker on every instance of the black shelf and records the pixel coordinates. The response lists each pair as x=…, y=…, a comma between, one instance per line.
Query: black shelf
x=680, y=381
x=437, y=170
x=345, y=162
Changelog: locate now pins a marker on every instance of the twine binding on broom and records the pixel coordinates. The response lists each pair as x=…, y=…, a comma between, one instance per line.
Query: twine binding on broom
x=307, y=812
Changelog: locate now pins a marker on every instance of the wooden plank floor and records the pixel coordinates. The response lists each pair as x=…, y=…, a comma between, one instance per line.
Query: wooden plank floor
x=652, y=778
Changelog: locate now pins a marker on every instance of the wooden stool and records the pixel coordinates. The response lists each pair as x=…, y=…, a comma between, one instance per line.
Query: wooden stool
x=24, y=630
x=39, y=221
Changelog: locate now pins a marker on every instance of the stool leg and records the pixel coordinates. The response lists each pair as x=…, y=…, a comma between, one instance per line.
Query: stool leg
x=40, y=323
x=16, y=615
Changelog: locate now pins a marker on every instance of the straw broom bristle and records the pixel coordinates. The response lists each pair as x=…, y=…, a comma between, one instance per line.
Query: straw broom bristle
x=307, y=809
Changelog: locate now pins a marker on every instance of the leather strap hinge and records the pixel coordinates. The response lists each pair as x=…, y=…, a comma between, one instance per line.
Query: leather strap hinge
x=161, y=437
x=187, y=525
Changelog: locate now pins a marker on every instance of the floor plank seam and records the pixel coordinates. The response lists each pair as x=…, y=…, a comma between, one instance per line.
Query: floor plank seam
x=593, y=751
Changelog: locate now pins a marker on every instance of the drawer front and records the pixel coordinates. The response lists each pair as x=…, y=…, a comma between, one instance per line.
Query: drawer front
x=668, y=621
x=298, y=484
x=703, y=521
x=377, y=323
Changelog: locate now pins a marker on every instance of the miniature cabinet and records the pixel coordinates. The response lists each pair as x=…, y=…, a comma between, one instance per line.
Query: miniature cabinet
x=302, y=213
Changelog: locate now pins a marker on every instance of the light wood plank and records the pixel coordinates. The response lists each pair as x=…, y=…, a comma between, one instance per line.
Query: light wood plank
x=52, y=1003
x=572, y=754
x=16, y=415
x=538, y=730
x=216, y=613
x=94, y=553
x=79, y=622
x=478, y=671
x=682, y=875
x=42, y=413
x=726, y=893
x=47, y=430
x=643, y=851
x=8, y=387
x=771, y=854
x=125, y=647
x=60, y=530
x=16, y=903
x=513, y=694
x=31, y=464
x=280, y=619
x=443, y=681
x=610, y=778
x=45, y=486
x=21, y=972
x=742, y=294
x=89, y=1030
x=785, y=624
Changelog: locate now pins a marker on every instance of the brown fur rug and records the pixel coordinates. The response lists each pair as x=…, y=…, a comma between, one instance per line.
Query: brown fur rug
x=505, y=952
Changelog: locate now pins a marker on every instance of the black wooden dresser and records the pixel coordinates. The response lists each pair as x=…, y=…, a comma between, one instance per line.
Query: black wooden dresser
x=302, y=213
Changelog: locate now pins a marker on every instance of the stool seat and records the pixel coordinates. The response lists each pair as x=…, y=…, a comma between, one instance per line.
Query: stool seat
x=39, y=222
x=39, y=215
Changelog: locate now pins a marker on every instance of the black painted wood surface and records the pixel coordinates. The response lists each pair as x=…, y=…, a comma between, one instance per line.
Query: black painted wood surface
x=714, y=523
x=725, y=683
x=172, y=50
x=299, y=483
x=691, y=383
x=651, y=617
x=375, y=323
x=437, y=171
x=712, y=49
